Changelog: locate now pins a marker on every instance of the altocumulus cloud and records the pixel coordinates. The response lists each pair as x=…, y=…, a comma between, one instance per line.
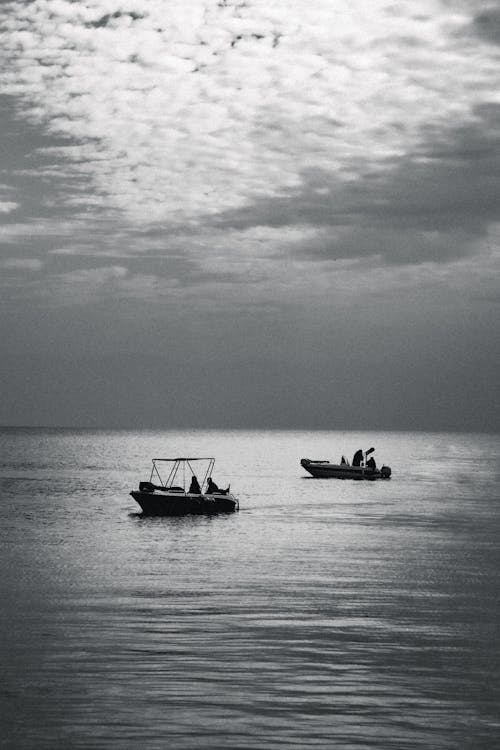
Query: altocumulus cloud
x=187, y=108
x=334, y=130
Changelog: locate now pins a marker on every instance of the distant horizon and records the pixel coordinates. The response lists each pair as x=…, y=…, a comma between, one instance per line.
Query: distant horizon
x=103, y=428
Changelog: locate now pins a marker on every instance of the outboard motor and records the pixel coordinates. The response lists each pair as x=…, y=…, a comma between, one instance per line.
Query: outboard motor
x=385, y=472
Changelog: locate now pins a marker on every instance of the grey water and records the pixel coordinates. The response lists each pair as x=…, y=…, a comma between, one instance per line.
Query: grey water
x=325, y=614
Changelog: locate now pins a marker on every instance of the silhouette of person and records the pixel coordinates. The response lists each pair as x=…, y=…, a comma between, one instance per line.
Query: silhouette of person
x=371, y=463
x=194, y=487
x=211, y=487
x=357, y=459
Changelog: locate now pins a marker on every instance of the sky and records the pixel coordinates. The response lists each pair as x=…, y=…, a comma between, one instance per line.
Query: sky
x=244, y=214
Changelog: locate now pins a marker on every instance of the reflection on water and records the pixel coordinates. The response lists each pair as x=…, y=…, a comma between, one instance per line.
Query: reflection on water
x=323, y=614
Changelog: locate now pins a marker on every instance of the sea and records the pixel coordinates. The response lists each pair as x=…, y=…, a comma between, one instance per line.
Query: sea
x=324, y=614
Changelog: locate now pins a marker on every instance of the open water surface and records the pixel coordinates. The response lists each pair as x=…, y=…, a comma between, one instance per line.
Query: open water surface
x=325, y=614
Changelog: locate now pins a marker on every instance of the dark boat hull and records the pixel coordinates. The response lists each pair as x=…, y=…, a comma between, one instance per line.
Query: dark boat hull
x=326, y=470
x=165, y=504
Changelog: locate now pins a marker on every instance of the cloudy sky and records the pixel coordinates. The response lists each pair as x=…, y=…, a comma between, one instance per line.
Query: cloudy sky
x=249, y=213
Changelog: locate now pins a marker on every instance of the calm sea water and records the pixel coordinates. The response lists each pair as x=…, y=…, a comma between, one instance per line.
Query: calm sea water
x=325, y=614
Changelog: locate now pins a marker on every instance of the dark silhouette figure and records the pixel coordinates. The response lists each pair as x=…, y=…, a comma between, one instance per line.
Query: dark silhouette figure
x=343, y=461
x=357, y=459
x=371, y=463
x=211, y=487
x=194, y=487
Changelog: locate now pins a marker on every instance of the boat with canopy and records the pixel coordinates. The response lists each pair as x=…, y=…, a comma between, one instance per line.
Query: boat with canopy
x=165, y=493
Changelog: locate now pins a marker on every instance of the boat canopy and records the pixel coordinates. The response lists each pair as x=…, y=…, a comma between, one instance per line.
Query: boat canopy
x=177, y=472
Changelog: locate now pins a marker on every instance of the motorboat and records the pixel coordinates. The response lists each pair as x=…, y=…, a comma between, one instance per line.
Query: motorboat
x=171, y=498
x=361, y=468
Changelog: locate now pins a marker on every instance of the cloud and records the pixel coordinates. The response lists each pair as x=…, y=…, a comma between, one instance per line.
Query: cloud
x=486, y=24
x=21, y=264
x=434, y=203
x=6, y=207
x=20, y=231
x=229, y=101
x=82, y=286
x=248, y=154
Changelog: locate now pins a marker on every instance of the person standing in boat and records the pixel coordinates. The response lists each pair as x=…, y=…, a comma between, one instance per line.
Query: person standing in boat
x=357, y=459
x=194, y=487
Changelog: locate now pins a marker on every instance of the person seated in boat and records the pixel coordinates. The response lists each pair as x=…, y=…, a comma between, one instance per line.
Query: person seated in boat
x=211, y=487
x=194, y=487
x=371, y=463
x=344, y=461
x=357, y=459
